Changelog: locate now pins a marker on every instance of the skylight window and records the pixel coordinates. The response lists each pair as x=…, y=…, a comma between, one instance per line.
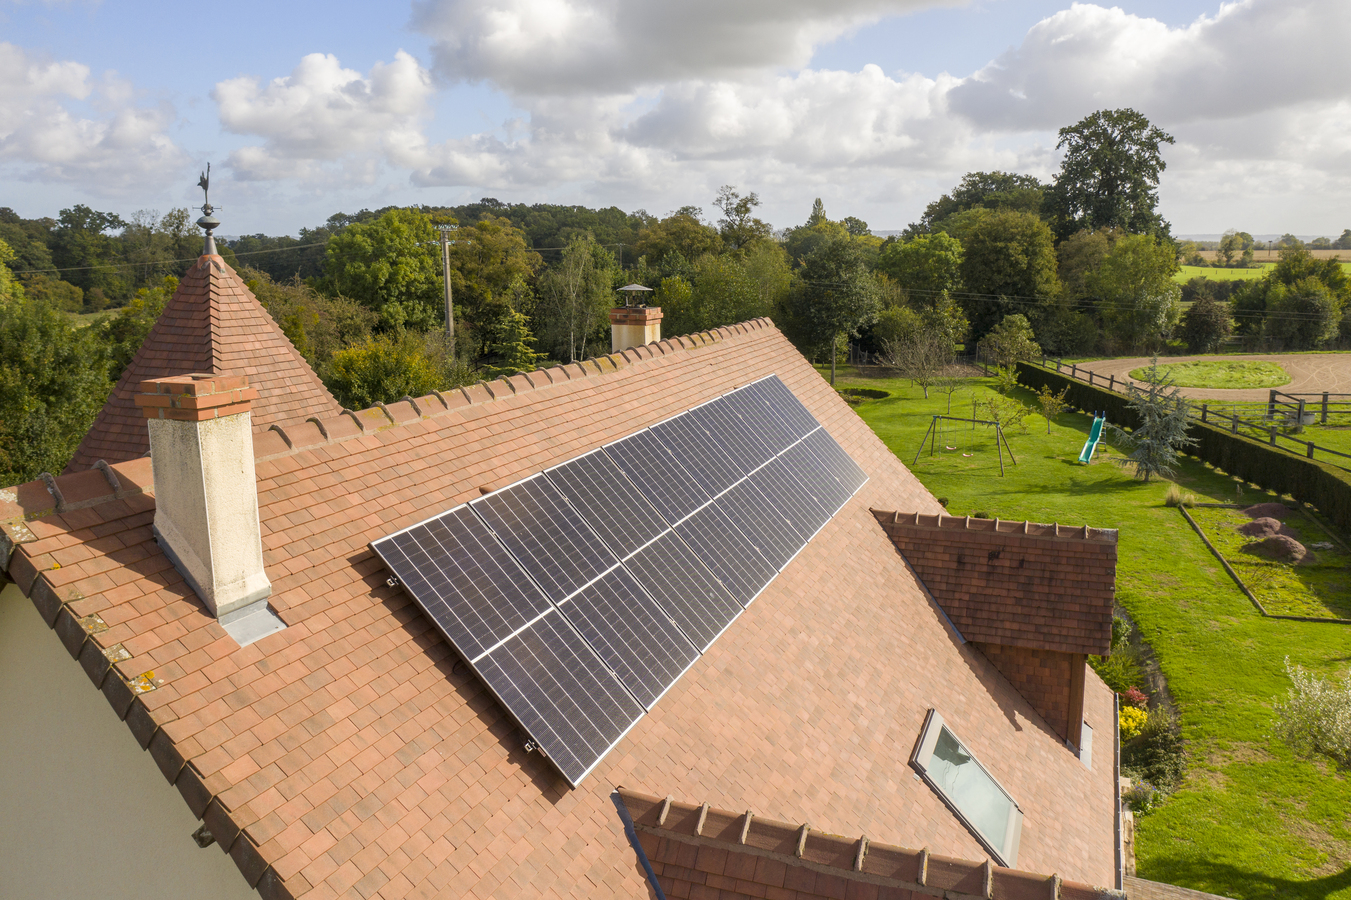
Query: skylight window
x=969, y=790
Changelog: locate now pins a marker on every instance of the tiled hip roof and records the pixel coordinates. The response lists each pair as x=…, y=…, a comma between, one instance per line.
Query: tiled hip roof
x=1018, y=584
x=353, y=755
x=214, y=324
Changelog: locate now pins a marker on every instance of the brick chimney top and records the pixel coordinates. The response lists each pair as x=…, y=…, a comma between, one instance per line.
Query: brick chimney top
x=196, y=397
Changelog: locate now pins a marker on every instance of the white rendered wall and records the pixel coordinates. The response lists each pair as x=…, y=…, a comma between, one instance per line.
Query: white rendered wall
x=84, y=811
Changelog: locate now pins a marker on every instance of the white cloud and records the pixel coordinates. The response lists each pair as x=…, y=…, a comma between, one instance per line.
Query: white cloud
x=322, y=113
x=120, y=148
x=549, y=47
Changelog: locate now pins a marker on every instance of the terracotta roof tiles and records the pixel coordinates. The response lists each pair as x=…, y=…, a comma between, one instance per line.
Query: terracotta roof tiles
x=354, y=755
x=213, y=323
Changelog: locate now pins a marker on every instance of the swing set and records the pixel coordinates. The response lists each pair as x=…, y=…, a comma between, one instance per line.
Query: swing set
x=948, y=435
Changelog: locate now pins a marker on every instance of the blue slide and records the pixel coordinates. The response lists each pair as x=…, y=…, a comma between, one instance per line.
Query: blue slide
x=1093, y=437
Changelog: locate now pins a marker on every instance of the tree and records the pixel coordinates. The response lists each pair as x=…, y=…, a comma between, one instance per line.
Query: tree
x=981, y=190
x=1315, y=717
x=680, y=233
x=53, y=381
x=318, y=325
x=82, y=246
x=1008, y=257
x=387, y=368
x=1206, y=325
x=1343, y=242
x=55, y=293
x=392, y=267
x=576, y=296
x=738, y=226
x=1079, y=258
x=922, y=357
x=1162, y=413
x=1140, y=301
x=1110, y=175
x=123, y=334
x=1010, y=342
x=514, y=349
x=1302, y=316
x=490, y=268
x=834, y=296
x=1051, y=403
x=927, y=268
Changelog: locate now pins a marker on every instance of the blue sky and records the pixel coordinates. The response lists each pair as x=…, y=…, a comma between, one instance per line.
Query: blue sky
x=877, y=106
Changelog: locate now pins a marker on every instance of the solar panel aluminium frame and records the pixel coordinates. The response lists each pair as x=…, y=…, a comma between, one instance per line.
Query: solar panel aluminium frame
x=556, y=607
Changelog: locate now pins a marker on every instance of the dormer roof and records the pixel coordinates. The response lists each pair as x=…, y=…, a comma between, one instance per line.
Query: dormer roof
x=213, y=323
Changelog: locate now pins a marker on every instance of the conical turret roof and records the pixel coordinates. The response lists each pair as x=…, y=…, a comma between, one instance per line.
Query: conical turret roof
x=213, y=323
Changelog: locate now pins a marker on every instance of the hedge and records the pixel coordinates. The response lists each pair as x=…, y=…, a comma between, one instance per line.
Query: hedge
x=1326, y=487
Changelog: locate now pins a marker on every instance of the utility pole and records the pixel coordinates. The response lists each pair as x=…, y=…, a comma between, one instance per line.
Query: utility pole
x=446, y=231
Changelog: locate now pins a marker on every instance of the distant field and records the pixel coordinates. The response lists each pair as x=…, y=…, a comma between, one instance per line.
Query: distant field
x=1186, y=273
x=1273, y=255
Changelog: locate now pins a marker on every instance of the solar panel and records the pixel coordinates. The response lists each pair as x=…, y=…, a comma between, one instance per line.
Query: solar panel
x=836, y=461
x=699, y=452
x=685, y=588
x=464, y=578
x=650, y=465
x=728, y=553
x=580, y=595
x=785, y=406
x=553, y=683
x=546, y=535
x=632, y=634
x=598, y=490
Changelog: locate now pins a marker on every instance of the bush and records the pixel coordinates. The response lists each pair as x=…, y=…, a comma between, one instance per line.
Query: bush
x=1136, y=698
x=1121, y=671
x=1316, y=715
x=1157, y=753
x=1132, y=721
x=388, y=368
x=1141, y=796
x=1176, y=497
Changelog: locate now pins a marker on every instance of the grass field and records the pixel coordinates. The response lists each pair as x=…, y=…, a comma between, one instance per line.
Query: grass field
x=1251, y=821
x=1250, y=373
x=1187, y=273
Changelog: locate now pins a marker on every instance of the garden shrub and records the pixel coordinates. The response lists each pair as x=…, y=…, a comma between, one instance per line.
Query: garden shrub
x=1132, y=721
x=1121, y=671
x=1141, y=796
x=1135, y=697
x=1157, y=754
x=1316, y=715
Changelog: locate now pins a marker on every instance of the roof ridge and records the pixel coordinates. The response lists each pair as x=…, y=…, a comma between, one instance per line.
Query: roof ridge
x=318, y=431
x=1021, y=527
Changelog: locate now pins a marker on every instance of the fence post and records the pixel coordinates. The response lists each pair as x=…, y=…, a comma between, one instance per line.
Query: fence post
x=1271, y=405
x=1310, y=449
x=1233, y=424
x=1090, y=376
x=1203, y=413
x=1325, y=408
x=1273, y=435
x=1112, y=384
x=1300, y=420
x=1074, y=370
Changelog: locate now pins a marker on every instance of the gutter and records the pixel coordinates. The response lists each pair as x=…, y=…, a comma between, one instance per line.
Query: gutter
x=1120, y=854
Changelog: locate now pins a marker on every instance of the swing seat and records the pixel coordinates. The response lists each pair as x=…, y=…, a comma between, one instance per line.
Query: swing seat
x=968, y=454
x=949, y=448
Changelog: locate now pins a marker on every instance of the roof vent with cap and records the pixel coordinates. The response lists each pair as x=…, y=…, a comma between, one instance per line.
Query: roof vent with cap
x=206, y=495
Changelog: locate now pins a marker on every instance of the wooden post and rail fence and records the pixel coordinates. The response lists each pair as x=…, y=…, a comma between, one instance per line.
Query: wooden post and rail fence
x=1267, y=419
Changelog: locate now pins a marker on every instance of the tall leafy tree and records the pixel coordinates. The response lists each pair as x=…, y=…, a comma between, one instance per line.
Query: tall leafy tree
x=89, y=254
x=575, y=298
x=391, y=266
x=833, y=297
x=490, y=268
x=928, y=267
x=1140, y=303
x=1206, y=324
x=981, y=190
x=1008, y=262
x=1110, y=175
x=738, y=225
x=53, y=381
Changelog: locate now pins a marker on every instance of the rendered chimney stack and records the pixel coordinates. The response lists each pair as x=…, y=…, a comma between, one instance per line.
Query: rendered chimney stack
x=634, y=326
x=206, y=493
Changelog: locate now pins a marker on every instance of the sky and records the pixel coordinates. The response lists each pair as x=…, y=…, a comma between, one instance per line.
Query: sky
x=306, y=109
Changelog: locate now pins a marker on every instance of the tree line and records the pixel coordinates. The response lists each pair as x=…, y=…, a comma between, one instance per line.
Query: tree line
x=1081, y=264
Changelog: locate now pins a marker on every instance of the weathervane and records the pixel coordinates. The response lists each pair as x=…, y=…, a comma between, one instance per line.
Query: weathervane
x=207, y=222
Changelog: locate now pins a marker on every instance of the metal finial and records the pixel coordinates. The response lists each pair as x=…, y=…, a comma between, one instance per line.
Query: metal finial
x=207, y=222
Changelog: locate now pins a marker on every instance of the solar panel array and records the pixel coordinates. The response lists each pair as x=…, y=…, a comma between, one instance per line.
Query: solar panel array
x=581, y=594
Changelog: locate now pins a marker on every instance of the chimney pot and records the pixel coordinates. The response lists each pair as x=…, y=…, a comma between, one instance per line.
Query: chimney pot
x=206, y=493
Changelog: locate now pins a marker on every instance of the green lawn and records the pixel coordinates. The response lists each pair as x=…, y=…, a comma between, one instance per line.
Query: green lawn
x=1251, y=821
x=1248, y=373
